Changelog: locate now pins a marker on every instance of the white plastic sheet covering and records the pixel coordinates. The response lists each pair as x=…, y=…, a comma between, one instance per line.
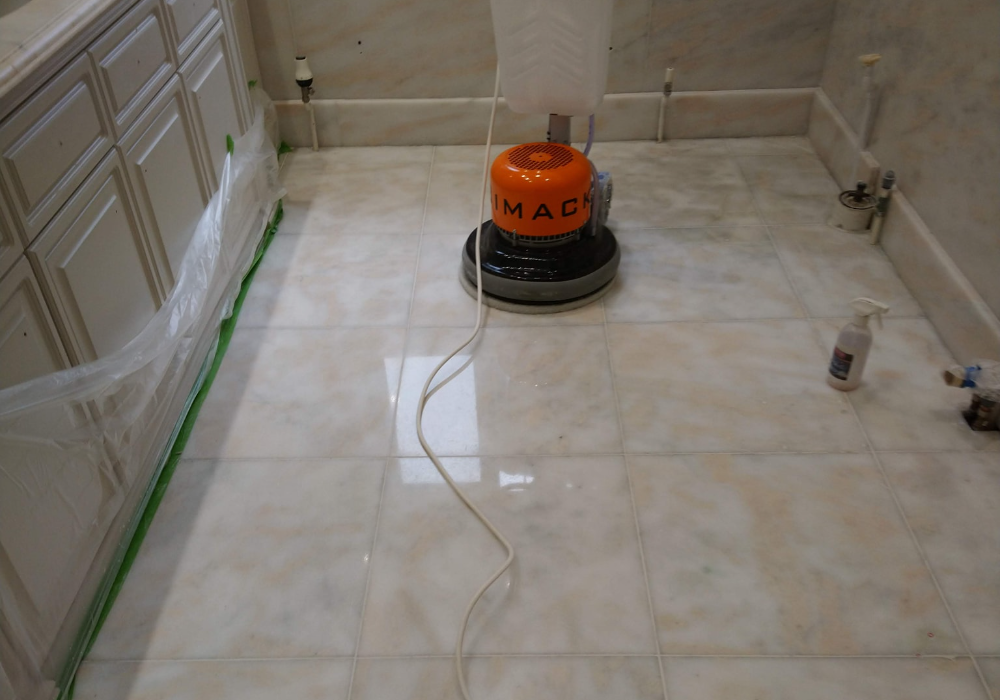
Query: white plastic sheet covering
x=75, y=445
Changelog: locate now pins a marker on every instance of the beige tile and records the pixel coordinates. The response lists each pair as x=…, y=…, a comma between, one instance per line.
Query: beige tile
x=951, y=502
x=770, y=146
x=356, y=191
x=730, y=45
x=657, y=187
x=829, y=267
x=453, y=194
x=790, y=189
x=637, y=150
x=302, y=393
x=719, y=387
x=903, y=403
x=575, y=587
x=738, y=113
x=505, y=678
x=250, y=560
x=823, y=679
x=699, y=274
x=336, y=280
x=991, y=669
x=440, y=300
x=538, y=390
x=783, y=554
x=258, y=679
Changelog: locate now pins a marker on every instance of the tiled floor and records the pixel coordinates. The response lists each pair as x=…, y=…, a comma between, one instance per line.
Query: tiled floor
x=697, y=515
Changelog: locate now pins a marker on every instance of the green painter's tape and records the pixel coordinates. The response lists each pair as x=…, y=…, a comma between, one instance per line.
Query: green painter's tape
x=230, y=144
x=173, y=457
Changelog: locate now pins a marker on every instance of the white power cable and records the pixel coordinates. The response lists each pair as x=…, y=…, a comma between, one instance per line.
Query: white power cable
x=426, y=394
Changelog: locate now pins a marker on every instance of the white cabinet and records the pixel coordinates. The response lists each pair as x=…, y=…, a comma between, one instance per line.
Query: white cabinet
x=213, y=85
x=94, y=264
x=134, y=59
x=166, y=175
x=29, y=344
x=51, y=143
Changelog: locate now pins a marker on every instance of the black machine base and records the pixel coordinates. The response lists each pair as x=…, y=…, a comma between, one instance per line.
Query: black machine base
x=538, y=275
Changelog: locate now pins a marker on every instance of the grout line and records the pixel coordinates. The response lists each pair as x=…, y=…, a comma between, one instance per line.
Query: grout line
x=920, y=550
x=635, y=513
x=392, y=432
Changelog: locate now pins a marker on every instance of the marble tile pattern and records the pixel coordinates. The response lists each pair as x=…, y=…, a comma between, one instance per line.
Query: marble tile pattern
x=937, y=116
x=991, y=670
x=696, y=513
x=358, y=50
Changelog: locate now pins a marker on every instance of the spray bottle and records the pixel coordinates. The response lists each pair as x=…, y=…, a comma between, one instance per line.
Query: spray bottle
x=855, y=340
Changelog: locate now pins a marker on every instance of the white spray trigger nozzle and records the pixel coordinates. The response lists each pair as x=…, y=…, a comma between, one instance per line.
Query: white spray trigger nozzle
x=865, y=307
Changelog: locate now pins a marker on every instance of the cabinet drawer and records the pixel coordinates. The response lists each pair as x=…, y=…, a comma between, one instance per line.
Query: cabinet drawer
x=94, y=264
x=165, y=172
x=190, y=20
x=10, y=242
x=29, y=344
x=133, y=61
x=212, y=85
x=50, y=144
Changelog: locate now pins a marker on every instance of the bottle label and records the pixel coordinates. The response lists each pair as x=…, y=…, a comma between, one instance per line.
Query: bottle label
x=840, y=364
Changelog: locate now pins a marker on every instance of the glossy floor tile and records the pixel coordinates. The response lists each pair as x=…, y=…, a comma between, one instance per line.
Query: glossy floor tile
x=356, y=191
x=526, y=391
x=684, y=490
x=498, y=678
x=302, y=393
x=705, y=274
x=337, y=280
x=829, y=267
x=260, y=679
x=822, y=679
x=991, y=670
x=722, y=387
x=783, y=554
x=952, y=501
x=658, y=188
x=247, y=560
x=576, y=585
x=790, y=189
x=903, y=403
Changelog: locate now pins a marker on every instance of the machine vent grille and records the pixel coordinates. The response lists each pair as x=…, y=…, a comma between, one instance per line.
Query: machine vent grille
x=540, y=156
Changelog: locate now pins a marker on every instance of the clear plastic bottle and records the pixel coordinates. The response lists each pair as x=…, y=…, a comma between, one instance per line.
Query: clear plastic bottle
x=855, y=340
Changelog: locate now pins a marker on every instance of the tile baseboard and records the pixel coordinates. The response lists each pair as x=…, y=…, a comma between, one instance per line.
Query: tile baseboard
x=968, y=327
x=622, y=117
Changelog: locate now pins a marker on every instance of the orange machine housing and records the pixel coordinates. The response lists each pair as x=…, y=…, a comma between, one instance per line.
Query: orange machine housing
x=541, y=190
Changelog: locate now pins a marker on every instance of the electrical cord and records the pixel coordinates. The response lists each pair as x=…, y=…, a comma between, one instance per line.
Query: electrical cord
x=427, y=393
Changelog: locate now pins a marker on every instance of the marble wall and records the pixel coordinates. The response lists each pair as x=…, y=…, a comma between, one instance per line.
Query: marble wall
x=938, y=124
x=377, y=49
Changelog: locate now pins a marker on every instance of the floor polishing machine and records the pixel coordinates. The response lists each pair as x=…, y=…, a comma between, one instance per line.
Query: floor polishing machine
x=547, y=246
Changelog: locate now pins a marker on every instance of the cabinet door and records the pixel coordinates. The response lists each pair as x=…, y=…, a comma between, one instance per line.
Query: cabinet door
x=133, y=60
x=211, y=82
x=164, y=170
x=189, y=21
x=94, y=264
x=50, y=144
x=10, y=243
x=29, y=344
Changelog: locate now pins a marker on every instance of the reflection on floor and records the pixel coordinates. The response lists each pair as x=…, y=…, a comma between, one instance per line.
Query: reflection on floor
x=697, y=514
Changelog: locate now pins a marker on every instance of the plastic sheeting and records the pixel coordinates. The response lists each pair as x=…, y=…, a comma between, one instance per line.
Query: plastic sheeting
x=79, y=448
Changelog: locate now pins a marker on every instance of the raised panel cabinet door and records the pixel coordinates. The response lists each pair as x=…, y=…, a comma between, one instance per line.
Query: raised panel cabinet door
x=134, y=60
x=50, y=144
x=93, y=262
x=29, y=344
x=171, y=191
x=10, y=243
x=211, y=82
x=189, y=21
